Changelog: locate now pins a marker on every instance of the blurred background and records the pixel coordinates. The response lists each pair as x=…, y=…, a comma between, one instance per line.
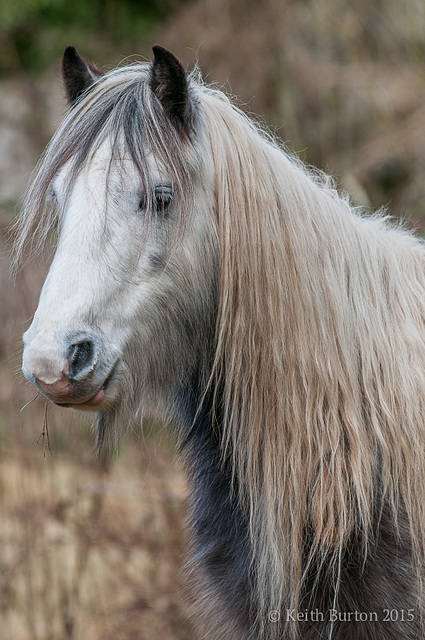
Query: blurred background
x=91, y=550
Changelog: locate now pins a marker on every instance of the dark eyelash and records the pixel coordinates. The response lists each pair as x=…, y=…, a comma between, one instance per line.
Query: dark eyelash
x=52, y=195
x=163, y=196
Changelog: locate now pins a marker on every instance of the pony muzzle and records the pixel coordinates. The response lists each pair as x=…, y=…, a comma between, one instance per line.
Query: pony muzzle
x=78, y=378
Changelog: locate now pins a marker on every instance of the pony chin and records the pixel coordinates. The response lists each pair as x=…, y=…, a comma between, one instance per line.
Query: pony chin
x=93, y=404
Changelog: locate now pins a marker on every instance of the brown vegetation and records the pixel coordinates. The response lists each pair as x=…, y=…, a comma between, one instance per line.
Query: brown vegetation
x=91, y=553
x=342, y=82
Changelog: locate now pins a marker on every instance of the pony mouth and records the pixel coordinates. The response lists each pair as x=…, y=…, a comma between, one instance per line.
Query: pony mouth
x=93, y=401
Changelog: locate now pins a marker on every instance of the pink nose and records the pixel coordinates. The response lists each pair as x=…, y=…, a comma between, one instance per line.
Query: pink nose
x=73, y=381
x=59, y=390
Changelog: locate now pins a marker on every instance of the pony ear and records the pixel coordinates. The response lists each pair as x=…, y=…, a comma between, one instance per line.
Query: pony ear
x=169, y=83
x=78, y=74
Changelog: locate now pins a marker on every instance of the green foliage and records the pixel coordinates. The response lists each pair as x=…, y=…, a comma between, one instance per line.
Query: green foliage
x=34, y=32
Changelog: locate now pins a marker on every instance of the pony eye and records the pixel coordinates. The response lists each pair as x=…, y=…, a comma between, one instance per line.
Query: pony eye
x=163, y=198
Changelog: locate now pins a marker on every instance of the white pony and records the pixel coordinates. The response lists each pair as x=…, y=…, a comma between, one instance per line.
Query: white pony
x=203, y=273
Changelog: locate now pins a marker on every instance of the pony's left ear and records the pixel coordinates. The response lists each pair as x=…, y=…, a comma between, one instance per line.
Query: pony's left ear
x=169, y=83
x=78, y=74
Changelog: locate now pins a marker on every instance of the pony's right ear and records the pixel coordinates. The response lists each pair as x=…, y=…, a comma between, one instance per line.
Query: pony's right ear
x=78, y=74
x=169, y=83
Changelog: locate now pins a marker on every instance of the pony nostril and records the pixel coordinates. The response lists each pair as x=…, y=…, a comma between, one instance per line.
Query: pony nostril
x=81, y=357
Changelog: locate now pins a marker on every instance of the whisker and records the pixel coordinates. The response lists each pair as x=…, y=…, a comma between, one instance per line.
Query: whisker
x=30, y=401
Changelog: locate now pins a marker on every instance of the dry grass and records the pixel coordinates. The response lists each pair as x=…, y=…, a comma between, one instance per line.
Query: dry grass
x=89, y=551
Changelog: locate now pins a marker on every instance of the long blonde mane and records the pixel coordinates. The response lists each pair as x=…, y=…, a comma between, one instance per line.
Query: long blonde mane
x=321, y=350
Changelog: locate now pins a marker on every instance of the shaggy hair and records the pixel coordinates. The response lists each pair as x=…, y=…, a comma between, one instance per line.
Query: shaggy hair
x=319, y=351
x=120, y=107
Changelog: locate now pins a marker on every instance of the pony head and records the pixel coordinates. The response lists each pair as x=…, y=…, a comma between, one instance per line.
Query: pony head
x=131, y=285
